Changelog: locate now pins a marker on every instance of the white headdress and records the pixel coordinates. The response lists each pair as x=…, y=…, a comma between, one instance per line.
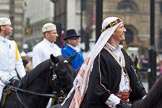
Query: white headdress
x=48, y=27
x=5, y=21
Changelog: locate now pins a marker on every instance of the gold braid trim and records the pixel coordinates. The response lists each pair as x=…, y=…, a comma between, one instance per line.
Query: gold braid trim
x=112, y=24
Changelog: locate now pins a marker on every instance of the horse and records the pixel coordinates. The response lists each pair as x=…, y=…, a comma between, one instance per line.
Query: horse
x=153, y=99
x=53, y=75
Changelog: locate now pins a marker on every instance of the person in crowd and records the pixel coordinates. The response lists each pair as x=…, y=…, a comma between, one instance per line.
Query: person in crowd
x=71, y=48
x=107, y=78
x=144, y=63
x=24, y=58
x=11, y=65
x=46, y=47
x=86, y=38
x=27, y=61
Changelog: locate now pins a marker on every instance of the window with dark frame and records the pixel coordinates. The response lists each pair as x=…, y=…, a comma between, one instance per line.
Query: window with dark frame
x=127, y=6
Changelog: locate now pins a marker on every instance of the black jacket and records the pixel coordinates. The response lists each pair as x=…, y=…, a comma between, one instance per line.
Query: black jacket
x=105, y=82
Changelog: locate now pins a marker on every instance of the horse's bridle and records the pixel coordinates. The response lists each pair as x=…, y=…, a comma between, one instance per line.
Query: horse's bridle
x=59, y=91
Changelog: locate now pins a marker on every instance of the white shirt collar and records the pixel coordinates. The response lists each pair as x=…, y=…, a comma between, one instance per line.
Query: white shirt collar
x=48, y=43
x=112, y=48
x=75, y=48
x=2, y=39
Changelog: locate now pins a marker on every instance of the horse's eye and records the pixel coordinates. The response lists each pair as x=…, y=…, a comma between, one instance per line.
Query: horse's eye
x=65, y=61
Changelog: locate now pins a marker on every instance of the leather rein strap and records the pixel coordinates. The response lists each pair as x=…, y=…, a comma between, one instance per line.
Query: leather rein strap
x=31, y=92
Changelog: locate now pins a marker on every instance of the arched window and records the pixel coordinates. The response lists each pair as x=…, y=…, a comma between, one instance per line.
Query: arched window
x=127, y=6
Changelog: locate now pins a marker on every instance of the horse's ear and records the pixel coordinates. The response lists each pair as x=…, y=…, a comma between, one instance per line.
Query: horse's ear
x=73, y=56
x=54, y=59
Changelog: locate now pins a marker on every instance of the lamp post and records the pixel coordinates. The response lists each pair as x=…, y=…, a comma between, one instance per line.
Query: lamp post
x=152, y=52
x=12, y=11
x=99, y=16
x=81, y=17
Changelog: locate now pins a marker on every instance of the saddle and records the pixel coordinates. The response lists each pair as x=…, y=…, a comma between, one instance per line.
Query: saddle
x=7, y=90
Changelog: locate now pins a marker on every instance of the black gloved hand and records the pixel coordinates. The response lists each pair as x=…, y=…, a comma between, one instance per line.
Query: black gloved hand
x=123, y=104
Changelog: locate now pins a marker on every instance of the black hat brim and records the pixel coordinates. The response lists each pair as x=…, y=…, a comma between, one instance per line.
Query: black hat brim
x=71, y=37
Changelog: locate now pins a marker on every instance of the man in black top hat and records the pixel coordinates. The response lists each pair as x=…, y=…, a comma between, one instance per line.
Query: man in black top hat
x=72, y=41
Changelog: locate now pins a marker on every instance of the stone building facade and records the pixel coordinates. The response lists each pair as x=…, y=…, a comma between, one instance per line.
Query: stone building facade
x=38, y=12
x=134, y=13
x=136, y=16
x=14, y=9
x=68, y=14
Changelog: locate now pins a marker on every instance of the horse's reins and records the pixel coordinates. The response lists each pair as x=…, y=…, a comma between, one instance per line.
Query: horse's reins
x=16, y=89
x=31, y=92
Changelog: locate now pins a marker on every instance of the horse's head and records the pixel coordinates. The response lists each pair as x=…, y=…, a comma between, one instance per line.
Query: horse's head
x=53, y=75
x=63, y=73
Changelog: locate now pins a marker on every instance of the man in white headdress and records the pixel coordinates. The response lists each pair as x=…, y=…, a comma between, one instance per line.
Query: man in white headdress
x=107, y=78
x=11, y=63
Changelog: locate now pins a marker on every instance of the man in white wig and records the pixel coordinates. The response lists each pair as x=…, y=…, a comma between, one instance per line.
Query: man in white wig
x=46, y=47
x=107, y=78
x=11, y=63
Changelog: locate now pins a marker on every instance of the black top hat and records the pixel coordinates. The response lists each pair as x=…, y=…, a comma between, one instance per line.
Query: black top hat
x=70, y=34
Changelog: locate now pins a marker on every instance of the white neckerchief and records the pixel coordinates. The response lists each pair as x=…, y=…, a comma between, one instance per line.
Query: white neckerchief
x=2, y=39
x=52, y=48
x=5, y=42
x=116, y=51
x=75, y=48
x=48, y=43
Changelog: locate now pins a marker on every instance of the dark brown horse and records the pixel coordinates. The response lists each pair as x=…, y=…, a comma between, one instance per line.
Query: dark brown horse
x=55, y=74
x=153, y=98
